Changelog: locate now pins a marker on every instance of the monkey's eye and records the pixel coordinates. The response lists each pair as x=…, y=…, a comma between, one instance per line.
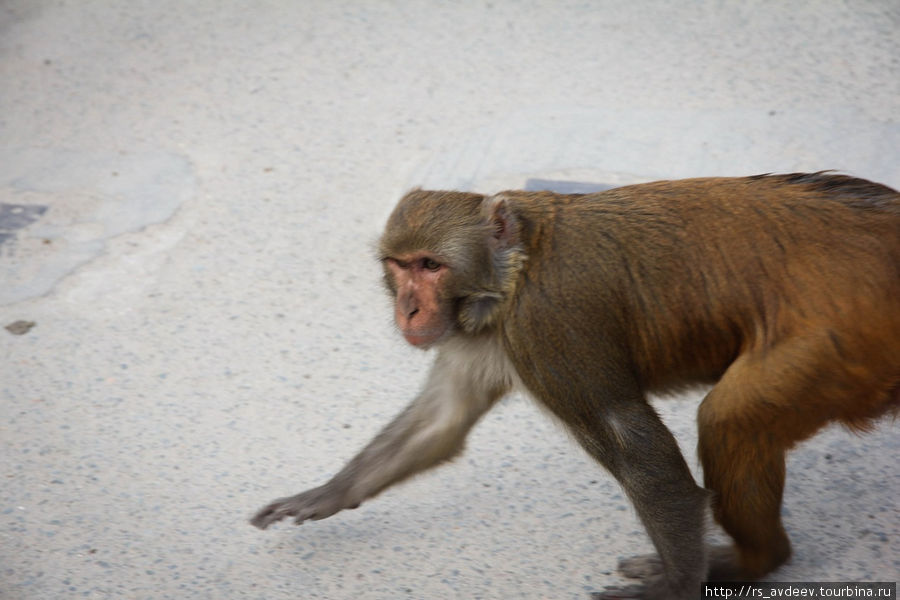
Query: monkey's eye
x=431, y=264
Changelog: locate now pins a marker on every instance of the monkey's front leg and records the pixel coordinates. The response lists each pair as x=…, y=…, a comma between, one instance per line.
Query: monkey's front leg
x=641, y=452
x=429, y=431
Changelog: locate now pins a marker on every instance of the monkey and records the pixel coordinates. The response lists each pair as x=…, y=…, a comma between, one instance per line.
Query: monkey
x=781, y=292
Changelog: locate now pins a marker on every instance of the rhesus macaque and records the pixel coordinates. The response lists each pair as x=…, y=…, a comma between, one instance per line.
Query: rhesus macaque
x=781, y=290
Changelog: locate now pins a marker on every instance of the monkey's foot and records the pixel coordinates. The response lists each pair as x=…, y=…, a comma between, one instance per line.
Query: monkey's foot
x=648, y=568
x=726, y=563
x=645, y=566
x=723, y=565
x=317, y=503
x=629, y=592
x=654, y=589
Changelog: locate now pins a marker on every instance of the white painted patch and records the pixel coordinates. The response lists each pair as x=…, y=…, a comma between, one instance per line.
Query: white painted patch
x=85, y=199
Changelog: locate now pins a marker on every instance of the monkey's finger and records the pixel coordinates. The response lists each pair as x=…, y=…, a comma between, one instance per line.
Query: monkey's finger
x=313, y=513
x=641, y=567
x=270, y=514
x=629, y=592
x=260, y=521
x=263, y=519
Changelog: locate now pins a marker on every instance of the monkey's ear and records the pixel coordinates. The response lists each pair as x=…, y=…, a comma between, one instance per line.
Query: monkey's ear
x=482, y=308
x=504, y=227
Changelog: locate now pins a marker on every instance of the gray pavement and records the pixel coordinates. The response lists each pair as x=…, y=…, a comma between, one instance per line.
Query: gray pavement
x=189, y=196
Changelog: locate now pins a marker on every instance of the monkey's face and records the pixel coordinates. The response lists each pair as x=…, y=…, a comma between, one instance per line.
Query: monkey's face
x=421, y=311
x=450, y=259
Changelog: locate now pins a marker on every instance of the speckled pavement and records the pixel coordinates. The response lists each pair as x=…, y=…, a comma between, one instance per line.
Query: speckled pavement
x=189, y=197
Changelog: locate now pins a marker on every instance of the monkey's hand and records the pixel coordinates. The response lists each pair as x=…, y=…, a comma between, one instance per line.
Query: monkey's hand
x=317, y=503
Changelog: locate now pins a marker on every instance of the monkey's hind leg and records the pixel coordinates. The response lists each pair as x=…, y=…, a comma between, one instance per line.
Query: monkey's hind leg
x=746, y=425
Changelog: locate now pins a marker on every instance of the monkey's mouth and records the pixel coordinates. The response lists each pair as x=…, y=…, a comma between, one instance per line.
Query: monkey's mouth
x=423, y=338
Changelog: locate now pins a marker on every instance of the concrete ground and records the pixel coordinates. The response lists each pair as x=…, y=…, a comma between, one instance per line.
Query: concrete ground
x=189, y=194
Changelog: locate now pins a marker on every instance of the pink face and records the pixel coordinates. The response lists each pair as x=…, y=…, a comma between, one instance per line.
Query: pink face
x=417, y=307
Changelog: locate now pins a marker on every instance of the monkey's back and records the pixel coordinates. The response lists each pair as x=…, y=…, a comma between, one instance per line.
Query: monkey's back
x=693, y=273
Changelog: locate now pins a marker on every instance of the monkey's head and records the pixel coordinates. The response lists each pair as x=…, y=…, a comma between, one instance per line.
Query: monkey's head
x=451, y=259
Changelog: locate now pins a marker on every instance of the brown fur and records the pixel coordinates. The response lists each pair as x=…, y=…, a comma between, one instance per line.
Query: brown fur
x=783, y=291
